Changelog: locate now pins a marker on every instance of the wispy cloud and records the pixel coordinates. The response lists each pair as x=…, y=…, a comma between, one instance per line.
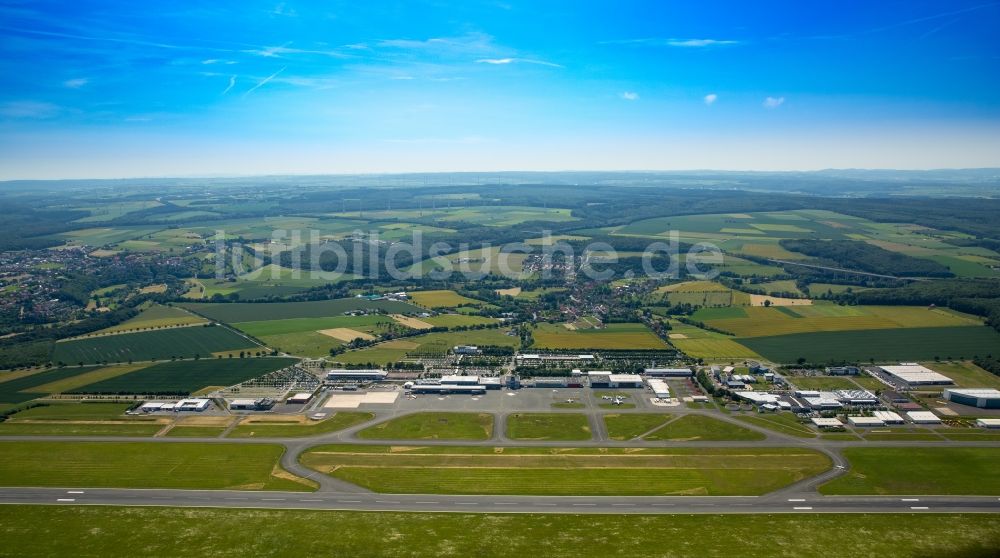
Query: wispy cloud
x=264, y=81
x=75, y=83
x=232, y=83
x=284, y=50
x=29, y=109
x=211, y=61
x=630, y=96
x=505, y=61
x=673, y=42
x=711, y=98
x=773, y=102
x=282, y=9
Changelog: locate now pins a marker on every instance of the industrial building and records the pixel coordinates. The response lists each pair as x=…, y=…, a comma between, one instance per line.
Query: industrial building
x=668, y=372
x=625, y=380
x=154, y=406
x=988, y=423
x=599, y=378
x=888, y=417
x=460, y=380
x=198, y=405
x=827, y=422
x=659, y=387
x=912, y=374
x=865, y=421
x=981, y=398
x=445, y=389
x=299, y=398
x=345, y=375
x=549, y=382
x=843, y=371
x=251, y=404
x=923, y=417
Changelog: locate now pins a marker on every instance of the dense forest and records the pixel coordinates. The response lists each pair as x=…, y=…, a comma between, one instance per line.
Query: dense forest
x=862, y=256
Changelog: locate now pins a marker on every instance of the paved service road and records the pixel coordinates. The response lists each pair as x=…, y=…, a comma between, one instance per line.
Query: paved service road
x=499, y=504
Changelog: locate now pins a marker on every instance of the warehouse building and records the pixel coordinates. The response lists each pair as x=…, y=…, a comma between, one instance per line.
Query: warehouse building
x=625, y=380
x=445, y=389
x=599, y=378
x=865, y=422
x=988, y=423
x=490, y=383
x=667, y=372
x=197, y=405
x=299, y=398
x=153, y=406
x=460, y=380
x=827, y=422
x=549, y=382
x=659, y=387
x=250, y=404
x=981, y=398
x=916, y=375
x=923, y=417
x=888, y=417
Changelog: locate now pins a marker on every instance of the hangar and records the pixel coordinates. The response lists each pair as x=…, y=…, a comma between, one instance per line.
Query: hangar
x=982, y=398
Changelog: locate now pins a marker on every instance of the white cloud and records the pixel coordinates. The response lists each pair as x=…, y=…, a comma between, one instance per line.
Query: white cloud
x=630, y=96
x=673, y=42
x=29, y=109
x=504, y=61
x=773, y=102
x=211, y=61
x=711, y=98
x=495, y=60
x=232, y=82
x=75, y=83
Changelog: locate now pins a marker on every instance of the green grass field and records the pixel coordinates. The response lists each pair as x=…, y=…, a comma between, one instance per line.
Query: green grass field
x=785, y=423
x=187, y=376
x=433, y=343
x=106, y=532
x=432, y=426
x=74, y=411
x=966, y=374
x=67, y=428
x=567, y=471
x=703, y=428
x=32, y=386
x=913, y=471
x=440, y=299
x=339, y=421
x=249, y=312
x=457, y=320
x=709, y=345
x=628, y=426
x=548, y=426
x=146, y=465
x=885, y=345
x=195, y=432
x=611, y=336
x=162, y=344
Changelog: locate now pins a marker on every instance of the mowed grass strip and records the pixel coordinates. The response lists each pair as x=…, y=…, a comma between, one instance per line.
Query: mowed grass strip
x=703, y=428
x=63, y=428
x=628, y=426
x=149, y=345
x=339, y=421
x=188, y=376
x=548, y=426
x=432, y=426
x=103, y=531
x=146, y=465
x=882, y=345
x=785, y=423
x=914, y=471
x=716, y=471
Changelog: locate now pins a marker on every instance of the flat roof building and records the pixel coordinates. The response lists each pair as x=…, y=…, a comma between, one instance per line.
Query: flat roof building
x=889, y=417
x=152, y=406
x=659, y=387
x=625, y=380
x=343, y=374
x=299, y=398
x=865, y=421
x=981, y=398
x=821, y=422
x=192, y=405
x=667, y=372
x=988, y=423
x=916, y=375
x=445, y=389
x=460, y=380
x=923, y=417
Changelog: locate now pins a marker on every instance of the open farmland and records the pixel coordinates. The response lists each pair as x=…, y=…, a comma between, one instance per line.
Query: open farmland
x=183, y=342
x=33, y=386
x=431, y=343
x=927, y=471
x=710, y=345
x=493, y=215
x=440, y=299
x=250, y=312
x=187, y=376
x=156, y=316
x=567, y=471
x=882, y=345
x=146, y=465
x=611, y=336
x=306, y=337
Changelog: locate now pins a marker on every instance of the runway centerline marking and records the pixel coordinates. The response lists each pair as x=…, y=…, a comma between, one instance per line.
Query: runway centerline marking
x=65, y=499
x=919, y=508
x=74, y=492
x=802, y=508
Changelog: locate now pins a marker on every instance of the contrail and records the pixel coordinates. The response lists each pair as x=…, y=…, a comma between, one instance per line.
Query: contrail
x=232, y=82
x=264, y=81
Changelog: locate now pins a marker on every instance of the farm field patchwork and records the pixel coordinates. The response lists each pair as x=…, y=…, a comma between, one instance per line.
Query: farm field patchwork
x=149, y=345
x=250, y=312
x=432, y=426
x=156, y=316
x=32, y=386
x=928, y=471
x=431, y=343
x=440, y=299
x=187, y=376
x=567, y=471
x=146, y=465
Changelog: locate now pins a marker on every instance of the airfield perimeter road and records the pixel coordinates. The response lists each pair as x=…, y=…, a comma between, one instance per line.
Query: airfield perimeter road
x=334, y=494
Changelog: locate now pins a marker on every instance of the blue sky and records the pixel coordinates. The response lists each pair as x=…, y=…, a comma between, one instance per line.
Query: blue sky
x=112, y=89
